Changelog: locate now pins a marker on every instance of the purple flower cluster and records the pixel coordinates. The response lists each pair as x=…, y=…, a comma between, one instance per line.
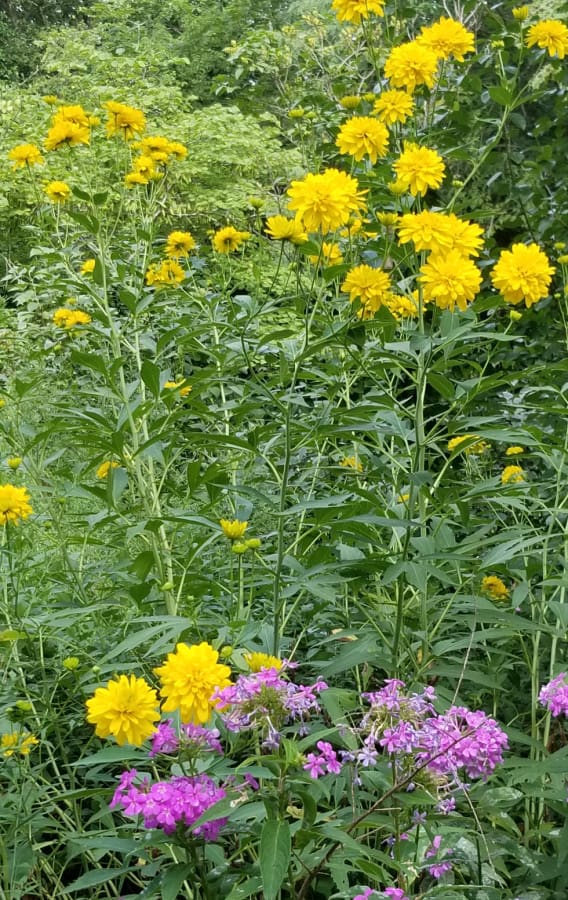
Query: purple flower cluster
x=324, y=763
x=192, y=738
x=439, y=868
x=393, y=893
x=267, y=701
x=554, y=695
x=168, y=804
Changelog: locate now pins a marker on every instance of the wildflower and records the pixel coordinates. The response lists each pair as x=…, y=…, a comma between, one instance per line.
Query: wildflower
x=17, y=742
x=410, y=65
x=439, y=869
x=449, y=280
x=144, y=166
x=551, y=35
x=394, y=893
x=126, y=708
x=478, y=447
x=25, y=155
x=512, y=475
x=520, y=13
x=325, y=201
x=514, y=451
x=155, y=146
x=192, y=738
x=401, y=307
x=355, y=10
x=105, y=467
x=124, y=120
x=132, y=178
x=419, y=168
x=233, y=529
x=394, y=106
x=14, y=504
x=258, y=661
x=368, y=285
x=280, y=228
x=351, y=462
x=165, y=273
x=88, y=267
x=229, y=239
x=181, y=386
x=179, y=243
x=14, y=462
x=522, y=273
x=427, y=230
x=58, y=191
x=447, y=38
x=189, y=678
x=330, y=255
x=74, y=114
x=326, y=763
x=466, y=236
x=363, y=136
x=177, y=150
x=70, y=318
x=71, y=663
x=554, y=695
x=66, y=134
x=495, y=587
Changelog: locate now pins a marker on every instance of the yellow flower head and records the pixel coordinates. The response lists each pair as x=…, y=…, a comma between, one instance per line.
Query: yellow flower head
x=551, y=35
x=155, y=146
x=394, y=106
x=514, y=451
x=233, y=529
x=105, y=467
x=258, y=661
x=74, y=114
x=467, y=237
x=71, y=663
x=181, y=386
x=177, y=151
x=325, y=201
x=495, y=588
x=229, y=239
x=401, y=307
x=477, y=447
x=124, y=120
x=350, y=101
x=58, y=191
x=65, y=133
x=419, y=168
x=14, y=504
x=522, y=273
x=410, y=65
x=447, y=38
x=330, y=255
x=88, y=267
x=162, y=274
x=189, y=678
x=388, y=219
x=363, y=136
x=179, y=243
x=17, y=742
x=520, y=13
x=281, y=228
x=133, y=178
x=450, y=280
x=512, y=475
x=355, y=10
x=14, y=462
x=25, y=155
x=351, y=462
x=126, y=708
x=70, y=318
x=368, y=285
x=145, y=166
x=440, y=233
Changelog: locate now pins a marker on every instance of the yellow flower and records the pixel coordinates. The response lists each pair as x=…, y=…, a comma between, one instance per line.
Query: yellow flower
x=88, y=266
x=368, y=285
x=447, y=38
x=281, y=228
x=133, y=178
x=325, y=201
x=410, y=65
x=522, y=273
x=330, y=255
x=450, y=279
x=126, y=708
x=258, y=661
x=351, y=101
x=551, y=35
x=153, y=145
x=25, y=155
x=70, y=318
x=14, y=504
x=478, y=447
x=351, y=462
x=520, y=13
x=514, y=451
x=189, y=678
x=233, y=529
x=403, y=498
x=512, y=475
x=17, y=742
x=355, y=10
x=467, y=237
x=74, y=114
x=401, y=307
x=65, y=133
x=124, y=120
x=419, y=168
x=14, y=462
x=229, y=239
x=145, y=166
x=184, y=389
x=58, y=191
x=179, y=243
x=394, y=106
x=440, y=233
x=363, y=136
x=495, y=588
x=105, y=467
x=167, y=272
x=515, y=315
x=71, y=663
x=388, y=219
x=177, y=150
x=94, y=121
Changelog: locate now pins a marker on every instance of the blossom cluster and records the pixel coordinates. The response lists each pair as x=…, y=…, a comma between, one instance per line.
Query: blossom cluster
x=554, y=695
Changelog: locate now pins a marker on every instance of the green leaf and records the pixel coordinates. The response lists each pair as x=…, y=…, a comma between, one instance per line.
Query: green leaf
x=98, y=876
x=150, y=374
x=275, y=850
x=173, y=879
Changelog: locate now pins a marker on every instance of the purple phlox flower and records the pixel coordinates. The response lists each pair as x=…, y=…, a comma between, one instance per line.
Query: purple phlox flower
x=202, y=738
x=327, y=763
x=272, y=739
x=368, y=754
x=368, y=892
x=554, y=695
x=446, y=805
x=164, y=739
x=400, y=739
x=439, y=869
x=419, y=818
x=394, y=893
x=434, y=847
x=462, y=738
x=389, y=697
